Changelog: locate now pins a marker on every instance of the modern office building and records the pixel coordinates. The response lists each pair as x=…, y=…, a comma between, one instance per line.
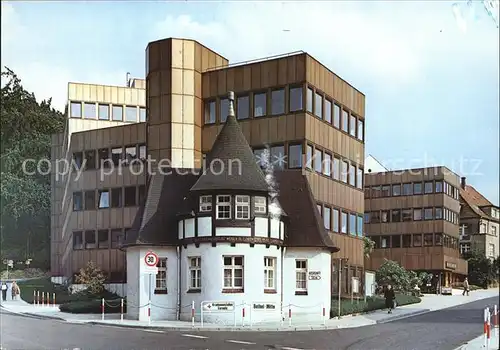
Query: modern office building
x=413, y=217
x=479, y=222
x=309, y=119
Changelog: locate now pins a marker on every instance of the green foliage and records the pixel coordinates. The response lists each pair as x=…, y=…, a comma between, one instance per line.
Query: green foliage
x=368, y=246
x=92, y=276
x=372, y=303
x=42, y=285
x=482, y=270
x=26, y=129
x=390, y=272
x=112, y=306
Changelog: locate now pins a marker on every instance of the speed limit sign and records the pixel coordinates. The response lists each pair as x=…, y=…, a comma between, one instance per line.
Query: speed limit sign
x=151, y=259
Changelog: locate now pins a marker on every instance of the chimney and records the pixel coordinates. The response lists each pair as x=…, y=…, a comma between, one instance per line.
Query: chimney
x=462, y=182
x=230, y=97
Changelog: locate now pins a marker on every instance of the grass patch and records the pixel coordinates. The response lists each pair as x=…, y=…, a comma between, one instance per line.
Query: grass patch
x=348, y=307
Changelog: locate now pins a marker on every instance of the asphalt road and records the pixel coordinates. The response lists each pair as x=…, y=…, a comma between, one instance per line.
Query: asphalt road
x=445, y=329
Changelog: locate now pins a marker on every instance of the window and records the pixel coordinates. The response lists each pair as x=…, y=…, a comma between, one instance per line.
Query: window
x=417, y=240
x=243, y=105
x=242, y=207
x=77, y=240
x=335, y=220
x=375, y=217
x=103, y=112
x=320, y=209
x=464, y=248
x=318, y=105
x=142, y=194
x=310, y=94
x=161, y=276
x=318, y=160
x=327, y=168
x=328, y=111
x=396, y=216
x=195, y=272
x=385, y=216
x=385, y=191
x=117, y=113
x=117, y=155
x=130, y=114
x=359, y=178
x=295, y=99
x=76, y=110
x=103, y=239
x=142, y=152
x=117, y=238
x=396, y=241
x=367, y=217
x=130, y=196
x=89, y=110
x=344, y=222
x=260, y=205
x=407, y=215
x=376, y=191
x=352, y=175
x=439, y=186
x=294, y=156
x=336, y=116
x=301, y=275
x=417, y=214
x=428, y=187
x=327, y=218
x=77, y=159
x=428, y=214
x=102, y=157
x=261, y=157
x=90, y=200
x=269, y=273
x=224, y=109
x=116, y=197
x=223, y=207
x=130, y=154
x=396, y=190
x=210, y=112
x=352, y=129
x=90, y=160
x=142, y=114
x=77, y=201
x=277, y=155
x=278, y=102
x=90, y=242
x=309, y=152
x=493, y=230
x=205, y=203
x=439, y=213
x=336, y=168
x=345, y=121
x=359, y=226
x=385, y=242
x=345, y=171
x=428, y=240
x=259, y=104
x=417, y=188
x=103, y=199
x=233, y=272
x=407, y=189
x=360, y=130
x=483, y=228
x=352, y=224
x=406, y=241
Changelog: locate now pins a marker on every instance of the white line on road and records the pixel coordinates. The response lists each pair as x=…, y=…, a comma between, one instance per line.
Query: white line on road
x=287, y=348
x=240, y=342
x=153, y=331
x=194, y=336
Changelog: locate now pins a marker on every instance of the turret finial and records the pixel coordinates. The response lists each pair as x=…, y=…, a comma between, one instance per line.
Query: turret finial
x=230, y=97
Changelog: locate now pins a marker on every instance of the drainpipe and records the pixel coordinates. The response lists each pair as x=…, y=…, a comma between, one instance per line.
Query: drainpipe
x=283, y=251
x=179, y=283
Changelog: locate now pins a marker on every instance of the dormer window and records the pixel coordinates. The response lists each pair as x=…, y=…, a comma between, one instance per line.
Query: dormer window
x=242, y=207
x=223, y=207
x=260, y=205
x=205, y=204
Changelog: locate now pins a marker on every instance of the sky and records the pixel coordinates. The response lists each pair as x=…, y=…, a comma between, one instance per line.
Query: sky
x=431, y=79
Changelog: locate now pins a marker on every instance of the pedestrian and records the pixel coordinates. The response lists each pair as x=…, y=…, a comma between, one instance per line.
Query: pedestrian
x=15, y=291
x=389, y=298
x=466, y=286
x=4, y=291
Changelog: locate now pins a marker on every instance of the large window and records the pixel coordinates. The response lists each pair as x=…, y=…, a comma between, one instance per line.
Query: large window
x=205, y=203
x=223, y=207
x=278, y=159
x=116, y=197
x=352, y=224
x=336, y=168
x=345, y=171
x=242, y=207
x=439, y=186
x=294, y=156
x=117, y=113
x=396, y=190
x=233, y=272
x=269, y=273
x=130, y=199
x=103, y=112
x=210, y=112
x=90, y=200
x=130, y=114
x=428, y=214
x=260, y=205
x=77, y=201
x=90, y=241
x=352, y=129
x=417, y=188
x=90, y=160
x=117, y=238
x=327, y=218
x=142, y=114
x=318, y=105
x=417, y=214
x=259, y=104
x=318, y=160
x=103, y=199
x=295, y=99
x=360, y=130
x=117, y=155
x=130, y=154
x=345, y=121
x=77, y=240
x=243, y=105
x=428, y=187
x=352, y=175
x=359, y=227
x=161, y=276
x=310, y=94
x=309, y=156
x=359, y=178
x=301, y=275
x=336, y=116
x=344, y=222
x=103, y=239
x=327, y=168
x=195, y=272
x=224, y=109
x=278, y=102
x=328, y=111
x=89, y=110
x=102, y=158
x=76, y=110
x=335, y=220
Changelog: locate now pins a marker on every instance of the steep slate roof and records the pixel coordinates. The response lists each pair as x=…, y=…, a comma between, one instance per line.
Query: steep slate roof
x=230, y=146
x=475, y=200
x=306, y=228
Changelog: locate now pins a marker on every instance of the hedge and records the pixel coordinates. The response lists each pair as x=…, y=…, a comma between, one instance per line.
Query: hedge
x=348, y=307
x=43, y=285
x=93, y=306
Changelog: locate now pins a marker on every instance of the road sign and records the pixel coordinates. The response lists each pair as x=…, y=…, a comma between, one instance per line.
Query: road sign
x=218, y=306
x=150, y=261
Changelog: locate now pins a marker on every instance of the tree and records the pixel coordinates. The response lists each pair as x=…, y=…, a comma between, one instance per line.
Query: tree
x=390, y=272
x=92, y=276
x=368, y=246
x=482, y=270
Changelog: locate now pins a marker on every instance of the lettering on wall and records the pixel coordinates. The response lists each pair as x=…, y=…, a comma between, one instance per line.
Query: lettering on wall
x=314, y=275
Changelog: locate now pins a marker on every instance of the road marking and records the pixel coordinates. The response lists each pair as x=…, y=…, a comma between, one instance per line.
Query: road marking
x=240, y=342
x=287, y=348
x=194, y=336
x=153, y=331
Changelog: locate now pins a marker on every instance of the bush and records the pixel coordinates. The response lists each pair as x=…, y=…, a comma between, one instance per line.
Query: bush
x=348, y=307
x=93, y=306
x=42, y=285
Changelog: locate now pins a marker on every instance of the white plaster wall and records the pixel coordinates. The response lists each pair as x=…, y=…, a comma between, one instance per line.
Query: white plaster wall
x=132, y=282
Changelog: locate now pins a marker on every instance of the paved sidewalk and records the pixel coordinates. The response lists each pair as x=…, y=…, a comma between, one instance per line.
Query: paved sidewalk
x=429, y=303
x=479, y=342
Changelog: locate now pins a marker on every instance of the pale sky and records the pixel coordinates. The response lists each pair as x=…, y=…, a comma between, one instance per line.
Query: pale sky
x=431, y=80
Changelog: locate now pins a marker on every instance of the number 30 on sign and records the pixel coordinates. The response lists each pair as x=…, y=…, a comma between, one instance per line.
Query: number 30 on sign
x=151, y=259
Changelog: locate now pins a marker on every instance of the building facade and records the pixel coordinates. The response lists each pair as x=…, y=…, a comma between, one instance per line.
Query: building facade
x=479, y=222
x=310, y=120
x=412, y=215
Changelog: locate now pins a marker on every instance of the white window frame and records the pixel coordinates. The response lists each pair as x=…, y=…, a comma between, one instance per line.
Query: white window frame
x=260, y=205
x=242, y=207
x=301, y=271
x=205, y=204
x=194, y=272
x=464, y=248
x=269, y=273
x=160, y=282
x=491, y=250
x=233, y=267
x=223, y=201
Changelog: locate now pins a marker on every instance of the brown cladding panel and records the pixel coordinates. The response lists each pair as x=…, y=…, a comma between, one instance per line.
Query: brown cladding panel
x=350, y=247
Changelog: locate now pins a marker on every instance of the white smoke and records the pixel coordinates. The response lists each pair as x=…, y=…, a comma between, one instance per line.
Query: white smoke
x=267, y=165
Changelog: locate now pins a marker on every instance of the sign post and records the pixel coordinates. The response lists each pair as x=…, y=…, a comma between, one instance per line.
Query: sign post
x=151, y=269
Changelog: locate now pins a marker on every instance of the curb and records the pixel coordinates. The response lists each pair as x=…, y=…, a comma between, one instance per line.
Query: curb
x=400, y=317
x=32, y=315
